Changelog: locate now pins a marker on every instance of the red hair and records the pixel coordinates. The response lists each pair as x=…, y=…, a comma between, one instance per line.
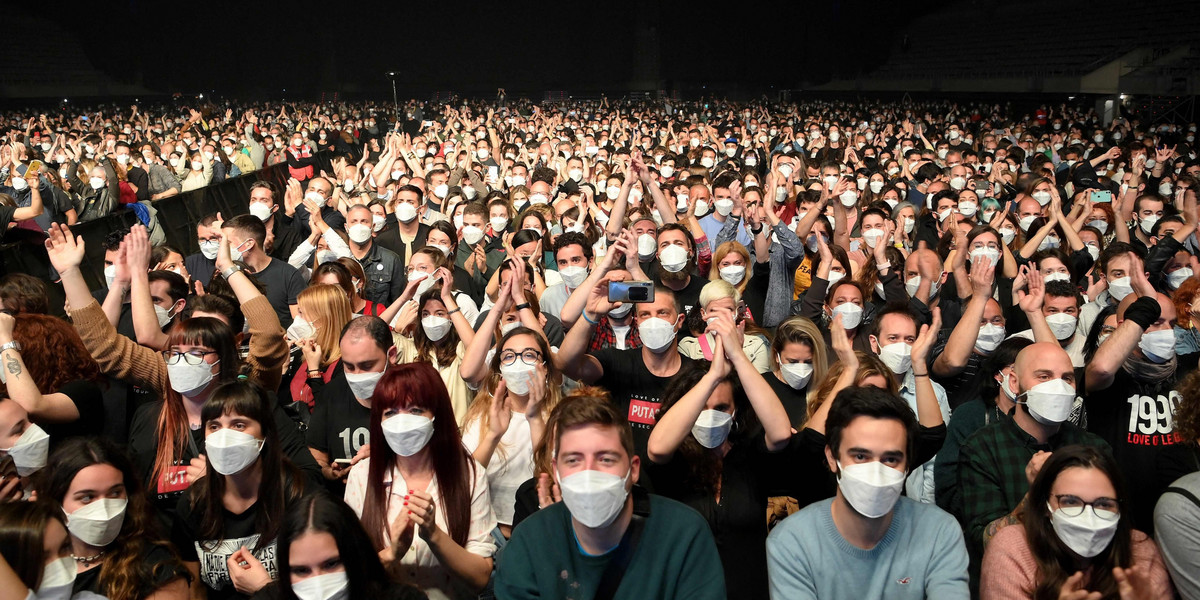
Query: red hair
x=53, y=352
x=404, y=386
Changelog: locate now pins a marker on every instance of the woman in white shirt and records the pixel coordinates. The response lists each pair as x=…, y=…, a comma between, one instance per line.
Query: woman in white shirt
x=422, y=499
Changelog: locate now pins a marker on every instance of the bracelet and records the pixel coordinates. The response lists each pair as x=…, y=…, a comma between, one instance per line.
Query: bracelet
x=884, y=265
x=314, y=373
x=585, y=318
x=756, y=231
x=456, y=309
x=229, y=271
x=920, y=374
x=522, y=306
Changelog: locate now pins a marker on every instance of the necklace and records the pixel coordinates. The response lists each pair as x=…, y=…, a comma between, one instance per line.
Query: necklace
x=88, y=559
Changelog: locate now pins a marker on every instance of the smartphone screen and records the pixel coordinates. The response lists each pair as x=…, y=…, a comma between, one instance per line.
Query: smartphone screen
x=1101, y=196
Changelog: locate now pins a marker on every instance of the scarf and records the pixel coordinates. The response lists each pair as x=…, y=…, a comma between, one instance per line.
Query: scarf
x=1146, y=371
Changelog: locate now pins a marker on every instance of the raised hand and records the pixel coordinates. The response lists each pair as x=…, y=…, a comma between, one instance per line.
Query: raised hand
x=65, y=249
x=500, y=410
x=927, y=338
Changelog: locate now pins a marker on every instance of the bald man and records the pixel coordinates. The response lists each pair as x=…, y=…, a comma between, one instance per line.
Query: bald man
x=997, y=464
x=1132, y=387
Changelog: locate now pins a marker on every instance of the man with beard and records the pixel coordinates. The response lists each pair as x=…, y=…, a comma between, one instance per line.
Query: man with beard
x=677, y=265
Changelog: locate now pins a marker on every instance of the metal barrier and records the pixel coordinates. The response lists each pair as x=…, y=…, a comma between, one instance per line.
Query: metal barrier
x=23, y=251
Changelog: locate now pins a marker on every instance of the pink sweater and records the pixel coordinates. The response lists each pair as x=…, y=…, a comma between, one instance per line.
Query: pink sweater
x=1010, y=573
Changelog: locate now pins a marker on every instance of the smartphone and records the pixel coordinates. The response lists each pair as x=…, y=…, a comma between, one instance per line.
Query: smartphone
x=854, y=245
x=1100, y=196
x=631, y=291
x=34, y=167
x=493, y=172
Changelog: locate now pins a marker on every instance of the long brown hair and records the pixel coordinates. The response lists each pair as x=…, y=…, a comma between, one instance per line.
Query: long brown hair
x=125, y=573
x=444, y=350
x=22, y=534
x=281, y=482
x=173, y=429
x=869, y=365
x=1055, y=561
x=419, y=384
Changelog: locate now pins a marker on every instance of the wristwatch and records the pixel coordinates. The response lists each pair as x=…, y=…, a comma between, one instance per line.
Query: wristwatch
x=229, y=271
x=13, y=345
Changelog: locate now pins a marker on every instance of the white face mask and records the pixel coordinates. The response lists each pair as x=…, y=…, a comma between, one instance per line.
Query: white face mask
x=260, y=210
x=98, y=523
x=573, y=276
x=707, y=162
x=30, y=450
x=58, y=579
x=851, y=314
x=914, y=282
x=1007, y=234
x=673, y=258
x=190, y=380
x=472, y=235
x=359, y=233
x=1119, y=288
x=1062, y=324
x=967, y=208
x=441, y=190
x=1050, y=402
x=666, y=173
x=1057, y=276
x=1042, y=197
x=1026, y=221
x=594, y=498
x=657, y=334
x=406, y=212
x=407, y=434
x=1086, y=534
x=733, y=274
x=701, y=208
x=848, y=198
x=872, y=236
x=991, y=254
x=897, y=357
x=958, y=182
x=1093, y=250
x=795, y=374
x=990, y=336
x=209, y=249
x=436, y=327
x=498, y=224
x=1158, y=346
x=712, y=427
x=330, y=586
x=611, y=191
x=724, y=207
x=785, y=169
x=872, y=488
x=876, y=187
x=362, y=385
x=1100, y=224
x=96, y=182
x=646, y=245
x=230, y=452
x=300, y=329
x=834, y=277
x=20, y=184
x=516, y=376
x=1178, y=276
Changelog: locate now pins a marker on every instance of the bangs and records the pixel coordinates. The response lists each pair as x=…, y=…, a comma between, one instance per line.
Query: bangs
x=237, y=398
x=201, y=331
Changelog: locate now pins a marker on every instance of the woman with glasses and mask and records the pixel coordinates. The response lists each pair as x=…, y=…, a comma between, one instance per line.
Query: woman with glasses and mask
x=226, y=525
x=1074, y=542
x=422, y=499
x=117, y=547
x=201, y=352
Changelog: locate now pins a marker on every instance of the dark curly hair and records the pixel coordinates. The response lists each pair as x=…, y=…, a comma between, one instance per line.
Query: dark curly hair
x=53, y=353
x=1187, y=412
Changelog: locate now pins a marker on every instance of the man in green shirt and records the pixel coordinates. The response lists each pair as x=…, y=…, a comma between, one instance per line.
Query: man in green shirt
x=602, y=541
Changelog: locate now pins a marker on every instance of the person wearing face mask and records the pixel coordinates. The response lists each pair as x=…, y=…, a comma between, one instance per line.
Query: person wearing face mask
x=247, y=242
x=677, y=265
x=201, y=265
x=1052, y=311
x=1148, y=210
x=35, y=554
x=422, y=499
x=727, y=202
x=30, y=197
x=1170, y=249
x=325, y=554
x=384, y=269
x=638, y=377
x=997, y=464
x=323, y=311
x=404, y=231
x=201, y=350
x=979, y=330
x=117, y=548
x=226, y=525
x=662, y=548
x=324, y=245
x=706, y=440
x=831, y=295
x=507, y=419
x=798, y=364
x=285, y=237
x=338, y=431
x=100, y=194
x=301, y=159
x=574, y=256
x=1076, y=537
x=836, y=548
x=1116, y=268
x=1138, y=366
x=719, y=300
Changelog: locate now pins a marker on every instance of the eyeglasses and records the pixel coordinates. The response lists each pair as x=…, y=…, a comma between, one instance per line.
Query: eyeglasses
x=532, y=358
x=1105, y=508
x=191, y=357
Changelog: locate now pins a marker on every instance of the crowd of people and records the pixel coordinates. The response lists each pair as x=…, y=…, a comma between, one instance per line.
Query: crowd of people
x=606, y=349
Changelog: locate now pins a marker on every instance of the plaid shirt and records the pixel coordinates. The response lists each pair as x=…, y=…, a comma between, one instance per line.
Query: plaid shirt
x=992, y=472
x=604, y=336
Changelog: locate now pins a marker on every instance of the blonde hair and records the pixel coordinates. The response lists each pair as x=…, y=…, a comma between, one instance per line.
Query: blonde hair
x=799, y=330
x=869, y=365
x=714, y=272
x=716, y=290
x=328, y=306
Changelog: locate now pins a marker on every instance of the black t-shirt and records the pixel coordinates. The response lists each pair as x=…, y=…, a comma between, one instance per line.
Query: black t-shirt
x=165, y=493
x=964, y=386
x=794, y=401
x=1136, y=418
x=157, y=559
x=282, y=283
x=125, y=320
x=340, y=425
x=238, y=530
x=689, y=296
x=636, y=391
x=748, y=474
x=6, y=217
x=200, y=268
x=89, y=401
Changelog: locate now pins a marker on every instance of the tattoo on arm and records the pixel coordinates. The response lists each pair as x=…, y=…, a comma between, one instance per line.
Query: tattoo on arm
x=13, y=366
